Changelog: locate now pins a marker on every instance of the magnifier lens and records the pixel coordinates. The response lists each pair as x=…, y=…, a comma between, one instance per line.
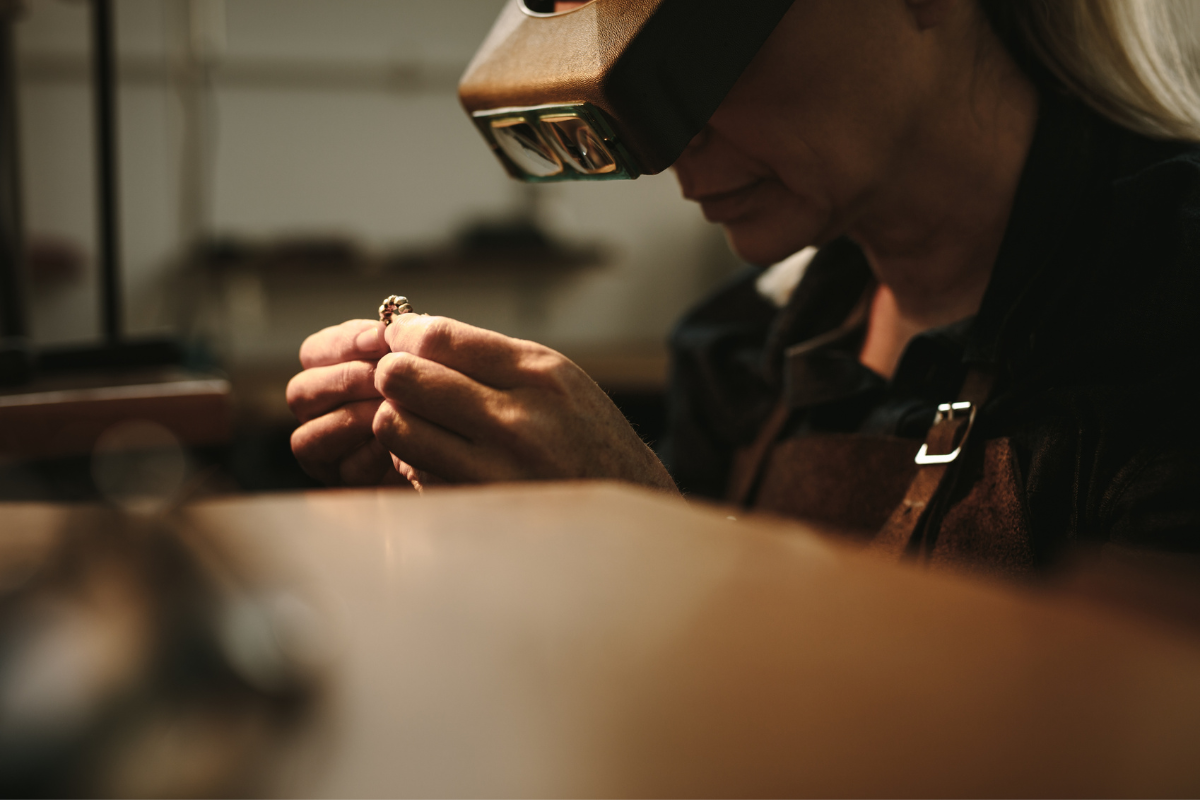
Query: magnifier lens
x=521, y=143
x=579, y=145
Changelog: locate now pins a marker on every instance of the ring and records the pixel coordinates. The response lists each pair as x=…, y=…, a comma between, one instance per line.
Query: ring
x=392, y=307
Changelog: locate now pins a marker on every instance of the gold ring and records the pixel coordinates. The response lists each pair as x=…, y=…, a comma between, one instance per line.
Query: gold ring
x=392, y=307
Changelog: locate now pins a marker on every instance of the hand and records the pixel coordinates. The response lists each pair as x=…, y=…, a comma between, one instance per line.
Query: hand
x=336, y=401
x=471, y=405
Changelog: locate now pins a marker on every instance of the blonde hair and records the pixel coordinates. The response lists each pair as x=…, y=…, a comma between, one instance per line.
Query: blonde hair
x=1134, y=61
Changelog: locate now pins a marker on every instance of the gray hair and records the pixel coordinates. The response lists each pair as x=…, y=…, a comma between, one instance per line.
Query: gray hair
x=1134, y=61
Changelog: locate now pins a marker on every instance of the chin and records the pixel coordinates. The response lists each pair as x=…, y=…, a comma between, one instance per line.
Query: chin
x=764, y=242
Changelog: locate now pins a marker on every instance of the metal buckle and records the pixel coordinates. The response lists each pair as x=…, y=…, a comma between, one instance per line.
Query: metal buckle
x=948, y=411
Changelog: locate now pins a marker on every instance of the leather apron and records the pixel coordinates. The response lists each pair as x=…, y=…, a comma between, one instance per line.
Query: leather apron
x=951, y=501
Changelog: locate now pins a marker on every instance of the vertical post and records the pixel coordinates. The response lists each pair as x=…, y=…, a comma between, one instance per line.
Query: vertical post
x=104, y=90
x=13, y=323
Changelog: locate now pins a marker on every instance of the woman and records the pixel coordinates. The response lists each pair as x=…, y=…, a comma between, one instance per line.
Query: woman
x=1008, y=215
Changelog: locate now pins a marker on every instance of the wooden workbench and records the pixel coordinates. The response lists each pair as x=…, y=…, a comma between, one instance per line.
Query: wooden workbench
x=594, y=639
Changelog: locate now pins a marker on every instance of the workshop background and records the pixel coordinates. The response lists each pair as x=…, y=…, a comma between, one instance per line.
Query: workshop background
x=284, y=164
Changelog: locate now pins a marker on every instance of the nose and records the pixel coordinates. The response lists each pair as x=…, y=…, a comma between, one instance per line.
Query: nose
x=683, y=165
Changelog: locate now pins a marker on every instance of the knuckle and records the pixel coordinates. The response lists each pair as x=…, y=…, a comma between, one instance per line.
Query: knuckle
x=344, y=378
x=383, y=423
x=530, y=437
x=363, y=376
x=360, y=414
x=513, y=420
x=436, y=338
x=394, y=370
x=551, y=372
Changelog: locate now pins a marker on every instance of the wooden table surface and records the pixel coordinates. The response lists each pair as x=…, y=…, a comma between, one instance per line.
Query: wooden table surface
x=594, y=639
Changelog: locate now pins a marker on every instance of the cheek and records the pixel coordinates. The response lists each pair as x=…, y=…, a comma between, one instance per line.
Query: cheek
x=714, y=163
x=789, y=212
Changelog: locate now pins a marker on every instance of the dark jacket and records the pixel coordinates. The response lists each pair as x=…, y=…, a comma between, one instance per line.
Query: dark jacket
x=1091, y=323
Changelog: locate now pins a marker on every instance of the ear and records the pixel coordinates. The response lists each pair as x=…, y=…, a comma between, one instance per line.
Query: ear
x=929, y=13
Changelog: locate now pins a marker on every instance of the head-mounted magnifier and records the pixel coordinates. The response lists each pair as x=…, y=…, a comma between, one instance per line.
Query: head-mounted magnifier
x=607, y=89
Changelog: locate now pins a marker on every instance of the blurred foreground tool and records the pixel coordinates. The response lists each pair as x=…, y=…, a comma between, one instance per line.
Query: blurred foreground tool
x=136, y=661
x=598, y=640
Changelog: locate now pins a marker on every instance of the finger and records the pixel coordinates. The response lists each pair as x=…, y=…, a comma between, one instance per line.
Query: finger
x=321, y=444
x=428, y=447
x=411, y=476
x=319, y=390
x=369, y=465
x=357, y=339
x=439, y=394
x=410, y=473
x=491, y=358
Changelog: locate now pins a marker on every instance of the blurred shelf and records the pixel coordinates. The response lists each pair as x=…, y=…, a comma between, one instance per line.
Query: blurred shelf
x=272, y=74
x=64, y=415
x=510, y=247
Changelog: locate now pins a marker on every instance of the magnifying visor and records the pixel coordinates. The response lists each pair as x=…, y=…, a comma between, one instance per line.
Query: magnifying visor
x=607, y=89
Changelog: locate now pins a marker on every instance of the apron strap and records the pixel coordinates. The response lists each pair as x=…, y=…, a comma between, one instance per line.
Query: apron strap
x=748, y=461
x=923, y=506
